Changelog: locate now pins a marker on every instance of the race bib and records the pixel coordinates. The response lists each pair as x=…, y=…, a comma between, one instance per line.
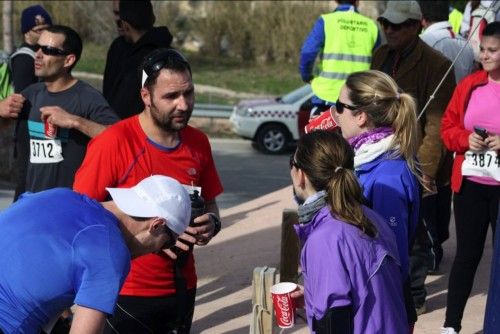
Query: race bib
x=485, y=163
x=45, y=151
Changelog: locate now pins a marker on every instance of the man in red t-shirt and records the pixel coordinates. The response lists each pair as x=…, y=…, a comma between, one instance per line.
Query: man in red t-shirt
x=159, y=292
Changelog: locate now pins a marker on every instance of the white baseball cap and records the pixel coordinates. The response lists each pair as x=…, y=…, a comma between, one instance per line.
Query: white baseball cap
x=156, y=196
x=399, y=11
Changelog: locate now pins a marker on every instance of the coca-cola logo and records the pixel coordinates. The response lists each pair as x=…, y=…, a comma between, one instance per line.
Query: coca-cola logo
x=323, y=122
x=285, y=316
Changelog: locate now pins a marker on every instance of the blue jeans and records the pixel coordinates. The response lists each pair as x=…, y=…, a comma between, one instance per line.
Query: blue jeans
x=492, y=315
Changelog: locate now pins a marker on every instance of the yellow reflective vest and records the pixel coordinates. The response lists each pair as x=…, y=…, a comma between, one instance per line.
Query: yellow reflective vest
x=455, y=19
x=349, y=41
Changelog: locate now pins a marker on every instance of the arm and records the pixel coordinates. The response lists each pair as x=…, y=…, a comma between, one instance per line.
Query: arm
x=11, y=106
x=455, y=136
x=23, y=72
x=87, y=321
x=310, y=49
x=431, y=152
x=60, y=117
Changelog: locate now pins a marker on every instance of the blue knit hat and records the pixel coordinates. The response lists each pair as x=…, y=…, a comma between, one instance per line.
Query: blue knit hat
x=33, y=16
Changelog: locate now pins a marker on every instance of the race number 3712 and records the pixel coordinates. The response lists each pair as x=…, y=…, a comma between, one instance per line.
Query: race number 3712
x=45, y=151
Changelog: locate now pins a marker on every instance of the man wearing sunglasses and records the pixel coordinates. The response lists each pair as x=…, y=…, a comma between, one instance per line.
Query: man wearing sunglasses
x=75, y=110
x=417, y=69
x=75, y=250
x=158, y=295
x=34, y=20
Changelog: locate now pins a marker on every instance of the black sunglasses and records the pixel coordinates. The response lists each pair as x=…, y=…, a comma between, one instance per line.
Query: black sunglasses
x=396, y=27
x=340, y=107
x=51, y=51
x=293, y=163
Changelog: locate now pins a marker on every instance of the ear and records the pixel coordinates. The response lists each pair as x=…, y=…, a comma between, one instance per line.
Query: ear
x=156, y=226
x=361, y=119
x=301, y=178
x=69, y=60
x=146, y=96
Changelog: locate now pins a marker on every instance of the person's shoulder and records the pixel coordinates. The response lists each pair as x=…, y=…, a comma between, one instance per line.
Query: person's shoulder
x=475, y=78
x=84, y=87
x=432, y=56
x=34, y=89
x=194, y=133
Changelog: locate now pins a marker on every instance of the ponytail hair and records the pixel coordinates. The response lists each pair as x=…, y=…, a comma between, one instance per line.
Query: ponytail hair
x=385, y=105
x=328, y=161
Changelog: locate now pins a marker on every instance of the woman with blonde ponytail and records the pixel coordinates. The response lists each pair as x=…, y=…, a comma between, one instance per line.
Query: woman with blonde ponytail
x=379, y=121
x=349, y=258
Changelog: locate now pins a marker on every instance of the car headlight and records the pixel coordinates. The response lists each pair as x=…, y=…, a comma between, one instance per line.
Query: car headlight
x=245, y=112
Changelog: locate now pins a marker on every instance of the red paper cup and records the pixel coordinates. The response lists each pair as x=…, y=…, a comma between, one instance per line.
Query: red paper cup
x=283, y=304
x=324, y=121
x=50, y=130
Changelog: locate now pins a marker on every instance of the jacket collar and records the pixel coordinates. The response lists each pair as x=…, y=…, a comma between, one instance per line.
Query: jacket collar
x=443, y=25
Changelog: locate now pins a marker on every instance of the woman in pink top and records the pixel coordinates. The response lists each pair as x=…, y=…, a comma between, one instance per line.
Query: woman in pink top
x=471, y=128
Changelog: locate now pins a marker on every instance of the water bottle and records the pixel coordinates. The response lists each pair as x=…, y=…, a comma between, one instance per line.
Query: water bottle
x=197, y=209
x=197, y=205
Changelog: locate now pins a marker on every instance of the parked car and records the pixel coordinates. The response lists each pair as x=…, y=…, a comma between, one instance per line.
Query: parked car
x=273, y=124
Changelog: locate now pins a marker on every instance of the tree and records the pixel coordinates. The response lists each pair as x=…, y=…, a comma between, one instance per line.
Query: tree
x=8, y=41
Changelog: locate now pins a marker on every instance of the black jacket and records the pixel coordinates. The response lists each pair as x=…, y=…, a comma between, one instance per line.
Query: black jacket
x=122, y=81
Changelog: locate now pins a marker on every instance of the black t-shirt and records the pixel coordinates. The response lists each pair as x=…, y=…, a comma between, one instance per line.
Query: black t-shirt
x=53, y=162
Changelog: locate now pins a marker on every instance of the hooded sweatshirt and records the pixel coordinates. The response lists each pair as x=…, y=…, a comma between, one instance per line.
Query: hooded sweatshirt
x=122, y=80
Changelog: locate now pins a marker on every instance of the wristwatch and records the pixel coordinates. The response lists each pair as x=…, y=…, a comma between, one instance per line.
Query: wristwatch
x=217, y=223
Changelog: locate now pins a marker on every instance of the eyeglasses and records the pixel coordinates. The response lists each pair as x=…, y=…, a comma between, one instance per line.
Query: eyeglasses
x=293, y=163
x=340, y=107
x=395, y=27
x=51, y=51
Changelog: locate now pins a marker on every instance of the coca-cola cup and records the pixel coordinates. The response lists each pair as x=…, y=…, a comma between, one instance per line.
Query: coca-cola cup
x=50, y=129
x=283, y=304
x=324, y=121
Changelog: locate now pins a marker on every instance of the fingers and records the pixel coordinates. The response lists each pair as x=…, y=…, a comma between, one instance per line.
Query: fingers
x=171, y=254
x=12, y=105
x=476, y=142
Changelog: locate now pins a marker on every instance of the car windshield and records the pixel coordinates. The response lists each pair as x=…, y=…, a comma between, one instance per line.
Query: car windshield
x=295, y=95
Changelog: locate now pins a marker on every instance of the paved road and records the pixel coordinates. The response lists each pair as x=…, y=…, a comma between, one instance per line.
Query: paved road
x=245, y=173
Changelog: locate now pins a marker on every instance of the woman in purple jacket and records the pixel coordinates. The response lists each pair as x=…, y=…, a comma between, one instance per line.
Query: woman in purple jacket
x=349, y=259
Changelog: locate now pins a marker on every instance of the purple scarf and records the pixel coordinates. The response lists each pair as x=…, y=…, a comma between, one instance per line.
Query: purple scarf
x=370, y=137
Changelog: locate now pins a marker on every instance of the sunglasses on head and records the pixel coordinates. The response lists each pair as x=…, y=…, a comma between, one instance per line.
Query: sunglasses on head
x=51, y=51
x=396, y=27
x=157, y=61
x=340, y=107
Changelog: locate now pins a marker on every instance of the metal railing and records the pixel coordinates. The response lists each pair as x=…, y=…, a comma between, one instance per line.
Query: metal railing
x=212, y=110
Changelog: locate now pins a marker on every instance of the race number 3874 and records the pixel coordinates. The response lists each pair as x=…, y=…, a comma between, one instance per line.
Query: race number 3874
x=486, y=164
x=45, y=151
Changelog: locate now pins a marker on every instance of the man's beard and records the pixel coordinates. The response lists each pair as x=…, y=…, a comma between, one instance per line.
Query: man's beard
x=166, y=123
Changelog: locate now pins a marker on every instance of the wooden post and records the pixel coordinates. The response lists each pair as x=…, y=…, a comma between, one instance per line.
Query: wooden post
x=290, y=248
x=262, y=321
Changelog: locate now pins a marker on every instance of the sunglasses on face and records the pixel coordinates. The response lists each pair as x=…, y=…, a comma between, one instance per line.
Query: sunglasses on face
x=395, y=27
x=340, y=107
x=51, y=51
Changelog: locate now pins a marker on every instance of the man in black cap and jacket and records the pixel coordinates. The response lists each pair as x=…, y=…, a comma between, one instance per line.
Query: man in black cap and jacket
x=138, y=37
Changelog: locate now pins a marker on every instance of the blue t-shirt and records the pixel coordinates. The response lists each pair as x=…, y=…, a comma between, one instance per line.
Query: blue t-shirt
x=58, y=248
